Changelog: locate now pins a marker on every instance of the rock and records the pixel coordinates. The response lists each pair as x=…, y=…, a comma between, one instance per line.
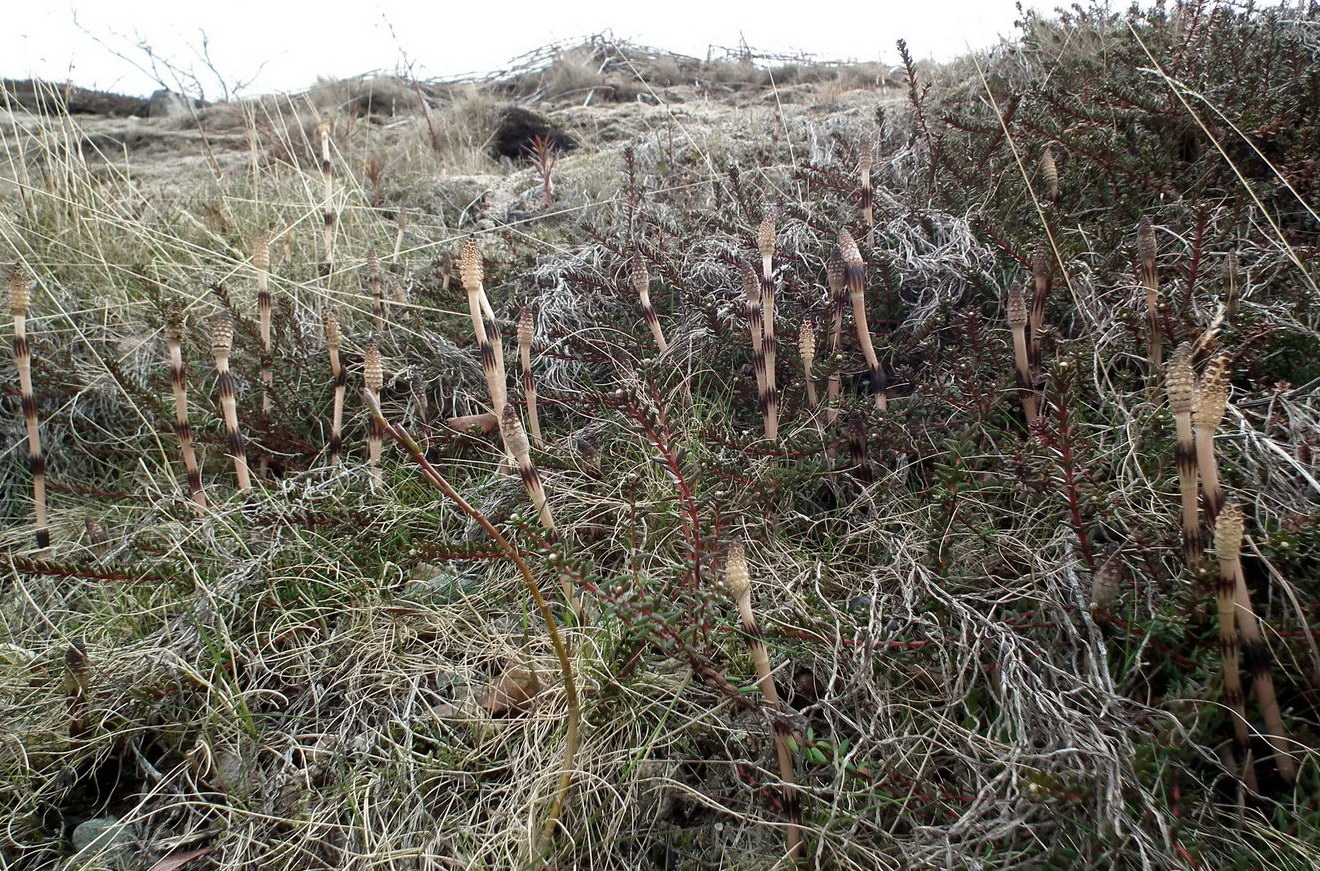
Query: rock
x=167, y=104
x=102, y=835
x=517, y=128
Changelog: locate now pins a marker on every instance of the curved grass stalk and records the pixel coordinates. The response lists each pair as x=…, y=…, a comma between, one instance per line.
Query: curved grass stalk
x=488, y=339
x=573, y=738
x=855, y=275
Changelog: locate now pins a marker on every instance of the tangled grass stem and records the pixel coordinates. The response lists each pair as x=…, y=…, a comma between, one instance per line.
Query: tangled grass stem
x=574, y=736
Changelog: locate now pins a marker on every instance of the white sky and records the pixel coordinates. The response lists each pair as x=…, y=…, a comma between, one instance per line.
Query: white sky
x=279, y=45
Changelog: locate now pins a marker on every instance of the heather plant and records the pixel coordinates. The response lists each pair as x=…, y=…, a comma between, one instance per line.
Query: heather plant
x=956, y=641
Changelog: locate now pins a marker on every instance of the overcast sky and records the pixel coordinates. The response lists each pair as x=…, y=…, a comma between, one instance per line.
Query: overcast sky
x=276, y=45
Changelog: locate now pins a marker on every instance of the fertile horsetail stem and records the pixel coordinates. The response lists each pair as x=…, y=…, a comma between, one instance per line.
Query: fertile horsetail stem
x=261, y=263
x=1150, y=278
x=526, y=330
x=334, y=338
x=515, y=442
x=641, y=280
x=738, y=578
x=374, y=288
x=1042, y=279
x=179, y=383
x=488, y=338
x=807, y=348
x=865, y=160
x=855, y=275
x=1017, y=322
x=752, y=300
x=328, y=216
x=222, y=342
x=1255, y=652
x=1049, y=173
x=373, y=378
x=1211, y=402
x=835, y=272
x=20, y=297
x=1180, y=382
x=765, y=241
x=1229, y=652
x=857, y=447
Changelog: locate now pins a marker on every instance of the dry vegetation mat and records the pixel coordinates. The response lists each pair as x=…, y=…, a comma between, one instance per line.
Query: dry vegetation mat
x=632, y=461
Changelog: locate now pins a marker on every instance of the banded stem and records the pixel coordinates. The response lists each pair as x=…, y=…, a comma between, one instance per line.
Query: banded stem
x=855, y=275
x=261, y=263
x=641, y=280
x=1043, y=280
x=488, y=339
x=1180, y=382
x=765, y=241
x=752, y=297
x=526, y=331
x=865, y=160
x=373, y=378
x=20, y=298
x=857, y=447
x=179, y=383
x=835, y=271
x=515, y=442
x=222, y=343
x=1150, y=278
x=807, y=349
x=328, y=216
x=334, y=338
x=1230, y=653
x=374, y=288
x=1211, y=402
x=738, y=578
x=1255, y=652
x=1017, y=322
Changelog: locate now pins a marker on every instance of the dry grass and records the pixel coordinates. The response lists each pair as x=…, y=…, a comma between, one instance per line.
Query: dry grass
x=988, y=652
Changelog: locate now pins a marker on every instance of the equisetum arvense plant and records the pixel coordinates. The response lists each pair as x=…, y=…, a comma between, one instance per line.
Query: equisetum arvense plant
x=222, y=343
x=261, y=263
x=857, y=451
x=20, y=298
x=328, y=216
x=865, y=160
x=1180, y=382
x=1150, y=279
x=751, y=285
x=373, y=378
x=334, y=338
x=835, y=272
x=1255, y=652
x=765, y=241
x=1229, y=653
x=1042, y=278
x=1211, y=402
x=374, y=289
x=807, y=350
x=641, y=279
x=179, y=384
x=1049, y=173
x=855, y=276
x=488, y=337
x=516, y=443
x=738, y=577
x=526, y=331
x=1017, y=323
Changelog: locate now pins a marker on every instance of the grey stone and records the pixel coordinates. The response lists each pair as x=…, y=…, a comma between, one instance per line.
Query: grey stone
x=167, y=104
x=101, y=834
